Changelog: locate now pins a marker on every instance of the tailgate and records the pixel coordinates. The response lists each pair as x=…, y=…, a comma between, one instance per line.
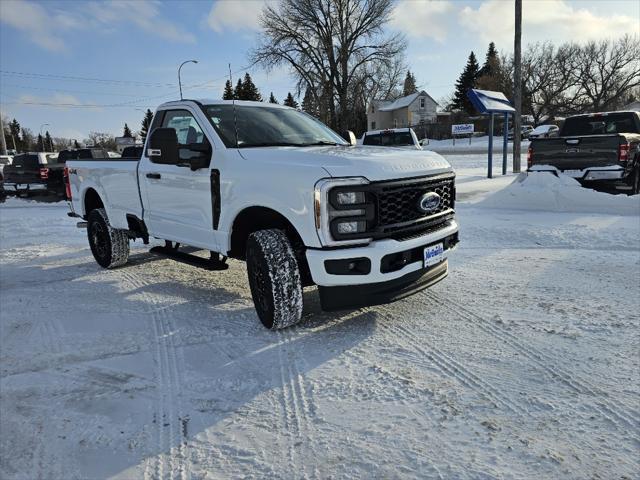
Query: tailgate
x=24, y=169
x=577, y=153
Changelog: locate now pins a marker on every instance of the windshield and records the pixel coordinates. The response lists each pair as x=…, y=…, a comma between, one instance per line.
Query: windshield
x=268, y=127
x=389, y=139
x=600, y=125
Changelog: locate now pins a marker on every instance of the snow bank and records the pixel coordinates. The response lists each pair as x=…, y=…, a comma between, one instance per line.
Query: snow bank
x=546, y=192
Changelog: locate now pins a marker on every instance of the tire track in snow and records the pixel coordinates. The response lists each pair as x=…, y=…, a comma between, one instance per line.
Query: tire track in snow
x=447, y=365
x=615, y=413
x=297, y=404
x=173, y=459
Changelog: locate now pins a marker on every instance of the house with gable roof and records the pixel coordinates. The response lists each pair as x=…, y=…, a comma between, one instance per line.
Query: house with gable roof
x=415, y=109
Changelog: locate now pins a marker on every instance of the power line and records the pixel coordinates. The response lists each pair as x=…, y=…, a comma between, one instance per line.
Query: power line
x=49, y=76
x=29, y=87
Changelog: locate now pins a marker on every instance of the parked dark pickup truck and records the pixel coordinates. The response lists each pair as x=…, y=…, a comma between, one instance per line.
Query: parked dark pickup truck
x=42, y=172
x=596, y=149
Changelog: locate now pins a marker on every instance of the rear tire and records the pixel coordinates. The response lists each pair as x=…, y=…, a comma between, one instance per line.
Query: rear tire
x=110, y=246
x=274, y=278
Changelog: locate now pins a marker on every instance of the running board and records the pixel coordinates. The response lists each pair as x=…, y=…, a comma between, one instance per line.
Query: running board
x=213, y=263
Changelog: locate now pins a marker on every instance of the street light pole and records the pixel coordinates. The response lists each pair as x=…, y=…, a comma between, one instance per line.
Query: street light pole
x=179, y=79
x=41, y=127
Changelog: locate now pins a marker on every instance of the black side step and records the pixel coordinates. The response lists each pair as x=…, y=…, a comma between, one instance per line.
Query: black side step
x=212, y=263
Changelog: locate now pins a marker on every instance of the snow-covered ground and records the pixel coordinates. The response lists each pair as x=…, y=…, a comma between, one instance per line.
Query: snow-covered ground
x=523, y=363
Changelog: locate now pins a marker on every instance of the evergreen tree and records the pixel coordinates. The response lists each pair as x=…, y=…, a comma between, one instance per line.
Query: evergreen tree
x=238, y=92
x=39, y=144
x=249, y=90
x=409, y=84
x=272, y=99
x=309, y=103
x=146, y=123
x=491, y=76
x=127, y=132
x=290, y=102
x=490, y=61
x=48, y=143
x=228, y=91
x=466, y=81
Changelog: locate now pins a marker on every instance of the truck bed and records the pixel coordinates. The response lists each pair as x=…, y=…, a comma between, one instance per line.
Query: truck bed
x=115, y=180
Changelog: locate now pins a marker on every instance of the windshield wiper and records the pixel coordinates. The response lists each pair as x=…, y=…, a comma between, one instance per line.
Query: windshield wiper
x=320, y=142
x=269, y=144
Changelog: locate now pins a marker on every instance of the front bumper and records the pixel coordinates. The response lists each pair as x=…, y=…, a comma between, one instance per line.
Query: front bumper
x=340, y=298
x=374, y=251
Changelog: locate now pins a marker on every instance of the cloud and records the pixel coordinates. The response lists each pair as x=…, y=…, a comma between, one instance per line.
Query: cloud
x=34, y=21
x=144, y=14
x=553, y=20
x=235, y=16
x=422, y=18
x=42, y=26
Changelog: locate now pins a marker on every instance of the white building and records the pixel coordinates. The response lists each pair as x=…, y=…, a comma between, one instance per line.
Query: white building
x=415, y=109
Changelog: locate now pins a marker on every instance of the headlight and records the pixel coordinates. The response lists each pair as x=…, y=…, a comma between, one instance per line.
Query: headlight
x=349, y=198
x=344, y=211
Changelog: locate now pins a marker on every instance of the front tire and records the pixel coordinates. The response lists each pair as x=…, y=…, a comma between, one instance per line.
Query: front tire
x=110, y=246
x=274, y=279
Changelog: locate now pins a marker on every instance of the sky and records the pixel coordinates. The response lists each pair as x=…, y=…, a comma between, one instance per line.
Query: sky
x=92, y=66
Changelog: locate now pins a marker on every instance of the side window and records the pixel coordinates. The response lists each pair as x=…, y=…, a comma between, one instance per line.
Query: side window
x=187, y=130
x=186, y=127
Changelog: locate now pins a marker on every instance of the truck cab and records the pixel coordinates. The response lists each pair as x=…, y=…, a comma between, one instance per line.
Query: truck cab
x=274, y=187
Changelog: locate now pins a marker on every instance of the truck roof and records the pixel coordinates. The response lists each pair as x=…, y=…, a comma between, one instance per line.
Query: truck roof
x=597, y=114
x=211, y=101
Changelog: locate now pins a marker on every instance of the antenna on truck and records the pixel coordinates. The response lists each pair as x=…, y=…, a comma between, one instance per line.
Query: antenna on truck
x=233, y=102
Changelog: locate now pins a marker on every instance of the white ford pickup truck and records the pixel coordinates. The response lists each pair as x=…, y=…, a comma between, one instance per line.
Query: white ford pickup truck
x=275, y=187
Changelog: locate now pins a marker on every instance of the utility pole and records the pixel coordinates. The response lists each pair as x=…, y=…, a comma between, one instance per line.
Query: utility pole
x=517, y=87
x=3, y=142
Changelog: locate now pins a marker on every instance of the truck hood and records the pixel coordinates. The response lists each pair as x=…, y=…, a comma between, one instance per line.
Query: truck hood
x=373, y=163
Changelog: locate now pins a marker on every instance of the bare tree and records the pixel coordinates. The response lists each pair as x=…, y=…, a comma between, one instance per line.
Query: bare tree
x=329, y=44
x=606, y=71
x=549, y=81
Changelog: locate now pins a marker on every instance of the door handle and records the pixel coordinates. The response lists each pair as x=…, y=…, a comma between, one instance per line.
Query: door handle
x=156, y=176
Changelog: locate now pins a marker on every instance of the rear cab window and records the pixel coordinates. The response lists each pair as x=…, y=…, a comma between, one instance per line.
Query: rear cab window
x=600, y=125
x=26, y=160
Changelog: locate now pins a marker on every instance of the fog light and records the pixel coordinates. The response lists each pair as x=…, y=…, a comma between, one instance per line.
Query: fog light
x=350, y=198
x=346, y=228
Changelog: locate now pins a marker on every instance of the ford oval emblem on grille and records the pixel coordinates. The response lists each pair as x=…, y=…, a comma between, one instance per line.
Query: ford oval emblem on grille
x=429, y=202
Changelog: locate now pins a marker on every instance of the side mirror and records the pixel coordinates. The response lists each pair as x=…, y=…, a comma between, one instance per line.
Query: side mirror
x=350, y=137
x=201, y=159
x=163, y=146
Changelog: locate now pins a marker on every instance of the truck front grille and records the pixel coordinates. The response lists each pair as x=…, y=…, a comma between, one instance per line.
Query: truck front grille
x=398, y=212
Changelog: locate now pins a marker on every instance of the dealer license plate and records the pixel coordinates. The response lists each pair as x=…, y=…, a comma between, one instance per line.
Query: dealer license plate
x=574, y=173
x=433, y=254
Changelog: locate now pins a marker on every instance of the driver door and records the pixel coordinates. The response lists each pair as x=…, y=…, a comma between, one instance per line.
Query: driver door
x=178, y=203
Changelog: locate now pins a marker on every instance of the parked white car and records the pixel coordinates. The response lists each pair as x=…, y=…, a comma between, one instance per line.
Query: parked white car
x=392, y=137
x=275, y=187
x=544, y=131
